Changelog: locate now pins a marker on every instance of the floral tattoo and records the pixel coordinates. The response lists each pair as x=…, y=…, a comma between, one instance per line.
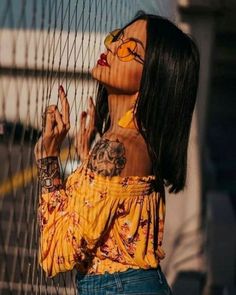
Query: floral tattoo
x=49, y=174
x=107, y=157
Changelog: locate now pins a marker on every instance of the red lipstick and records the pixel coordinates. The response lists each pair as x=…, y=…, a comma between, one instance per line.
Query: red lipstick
x=103, y=60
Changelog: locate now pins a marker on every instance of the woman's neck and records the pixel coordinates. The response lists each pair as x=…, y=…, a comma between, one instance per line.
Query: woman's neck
x=118, y=105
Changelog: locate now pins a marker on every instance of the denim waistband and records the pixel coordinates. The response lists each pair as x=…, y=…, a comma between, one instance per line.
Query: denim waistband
x=116, y=277
x=121, y=273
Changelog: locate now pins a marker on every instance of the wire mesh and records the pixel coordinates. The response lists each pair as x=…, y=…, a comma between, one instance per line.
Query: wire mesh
x=42, y=44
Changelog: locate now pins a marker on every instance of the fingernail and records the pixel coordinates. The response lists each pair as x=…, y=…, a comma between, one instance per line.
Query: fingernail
x=61, y=88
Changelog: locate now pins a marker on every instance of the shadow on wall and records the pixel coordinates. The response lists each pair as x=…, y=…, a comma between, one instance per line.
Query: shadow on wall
x=192, y=281
x=16, y=133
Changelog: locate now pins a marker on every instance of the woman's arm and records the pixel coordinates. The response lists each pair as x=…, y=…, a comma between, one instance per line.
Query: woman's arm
x=72, y=220
x=61, y=231
x=55, y=127
x=49, y=174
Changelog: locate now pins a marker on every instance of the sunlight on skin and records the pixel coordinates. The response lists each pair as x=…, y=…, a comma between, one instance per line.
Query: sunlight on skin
x=122, y=79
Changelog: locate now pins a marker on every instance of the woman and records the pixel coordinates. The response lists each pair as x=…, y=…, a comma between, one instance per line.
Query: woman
x=107, y=219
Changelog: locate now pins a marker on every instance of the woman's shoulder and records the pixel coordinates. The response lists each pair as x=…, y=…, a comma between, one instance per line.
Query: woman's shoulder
x=120, y=154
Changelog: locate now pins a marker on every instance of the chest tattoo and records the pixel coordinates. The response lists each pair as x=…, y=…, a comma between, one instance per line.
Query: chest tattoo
x=107, y=157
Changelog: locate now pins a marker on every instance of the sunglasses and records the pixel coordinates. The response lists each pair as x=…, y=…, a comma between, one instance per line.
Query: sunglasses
x=126, y=51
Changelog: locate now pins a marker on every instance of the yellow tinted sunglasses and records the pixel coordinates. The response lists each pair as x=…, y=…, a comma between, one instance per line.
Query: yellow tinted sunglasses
x=126, y=51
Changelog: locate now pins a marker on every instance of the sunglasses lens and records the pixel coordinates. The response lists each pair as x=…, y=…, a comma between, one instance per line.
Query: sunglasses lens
x=111, y=37
x=125, y=50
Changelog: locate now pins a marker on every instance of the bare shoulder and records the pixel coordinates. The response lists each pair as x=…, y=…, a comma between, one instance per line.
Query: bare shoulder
x=123, y=154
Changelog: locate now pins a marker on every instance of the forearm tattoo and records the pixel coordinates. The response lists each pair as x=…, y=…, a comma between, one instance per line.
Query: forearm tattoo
x=49, y=174
x=107, y=157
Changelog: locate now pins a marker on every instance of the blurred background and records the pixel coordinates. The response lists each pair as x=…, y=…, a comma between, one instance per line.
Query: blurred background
x=46, y=43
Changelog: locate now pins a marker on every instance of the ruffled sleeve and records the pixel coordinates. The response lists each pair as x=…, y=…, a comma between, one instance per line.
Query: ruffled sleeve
x=72, y=220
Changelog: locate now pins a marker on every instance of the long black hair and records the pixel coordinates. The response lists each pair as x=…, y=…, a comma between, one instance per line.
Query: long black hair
x=166, y=100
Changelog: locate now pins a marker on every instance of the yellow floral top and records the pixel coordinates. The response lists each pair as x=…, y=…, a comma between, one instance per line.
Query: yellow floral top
x=99, y=224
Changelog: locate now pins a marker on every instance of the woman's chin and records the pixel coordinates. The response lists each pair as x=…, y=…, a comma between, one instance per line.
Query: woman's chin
x=92, y=71
x=96, y=73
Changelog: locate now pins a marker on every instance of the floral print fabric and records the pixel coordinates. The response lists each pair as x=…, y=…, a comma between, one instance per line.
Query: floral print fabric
x=100, y=224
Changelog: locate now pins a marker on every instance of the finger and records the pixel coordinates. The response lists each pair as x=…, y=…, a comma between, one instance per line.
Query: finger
x=50, y=119
x=91, y=120
x=91, y=109
x=56, y=131
x=60, y=124
x=82, y=131
x=92, y=117
x=47, y=110
x=83, y=121
x=65, y=106
x=91, y=103
x=76, y=141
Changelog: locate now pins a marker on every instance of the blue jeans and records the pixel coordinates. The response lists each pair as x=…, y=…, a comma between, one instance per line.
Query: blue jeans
x=129, y=282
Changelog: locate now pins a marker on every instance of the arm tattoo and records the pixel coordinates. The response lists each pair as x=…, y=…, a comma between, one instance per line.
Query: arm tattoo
x=49, y=174
x=107, y=157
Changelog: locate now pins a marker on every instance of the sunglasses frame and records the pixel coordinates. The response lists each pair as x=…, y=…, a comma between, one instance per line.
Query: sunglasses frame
x=115, y=36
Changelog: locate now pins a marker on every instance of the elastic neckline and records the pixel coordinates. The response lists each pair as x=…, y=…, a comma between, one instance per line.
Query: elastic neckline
x=117, y=178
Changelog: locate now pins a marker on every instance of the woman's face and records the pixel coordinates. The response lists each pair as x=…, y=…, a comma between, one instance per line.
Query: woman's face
x=120, y=68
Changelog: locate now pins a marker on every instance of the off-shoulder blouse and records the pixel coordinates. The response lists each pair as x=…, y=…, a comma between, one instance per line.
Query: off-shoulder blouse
x=100, y=224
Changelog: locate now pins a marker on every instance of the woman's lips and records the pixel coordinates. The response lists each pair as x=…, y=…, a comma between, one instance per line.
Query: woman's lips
x=103, y=60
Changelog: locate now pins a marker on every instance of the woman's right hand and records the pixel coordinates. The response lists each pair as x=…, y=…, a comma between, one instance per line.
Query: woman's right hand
x=87, y=132
x=55, y=127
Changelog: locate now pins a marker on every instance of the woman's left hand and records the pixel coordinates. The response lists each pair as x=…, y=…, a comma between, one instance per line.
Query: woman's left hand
x=87, y=132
